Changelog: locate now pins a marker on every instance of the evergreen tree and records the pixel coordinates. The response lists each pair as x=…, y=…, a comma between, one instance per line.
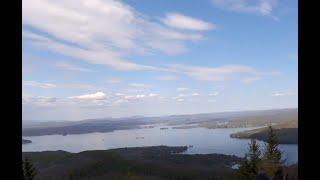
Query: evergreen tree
x=249, y=167
x=129, y=176
x=71, y=176
x=272, y=155
x=22, y=169
x=244, y=170
x=254, y=156
x=29, y=172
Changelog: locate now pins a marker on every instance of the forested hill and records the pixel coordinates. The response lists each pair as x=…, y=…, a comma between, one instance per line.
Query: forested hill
x=287, y=133
x=158, y=162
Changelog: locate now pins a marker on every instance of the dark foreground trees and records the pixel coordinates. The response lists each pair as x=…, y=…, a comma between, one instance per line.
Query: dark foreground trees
x=250, y=166
x=28, y=171
x=268, y=165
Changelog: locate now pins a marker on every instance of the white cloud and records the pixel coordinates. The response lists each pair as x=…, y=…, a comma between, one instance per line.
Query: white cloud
x=277, y=94
x=184, y=97
x=118, y=102
x=39, y=84
x=153, y=95
x=60, y=85
x=114, y=80
x=72, y=67
x=119, y=94
x=212, y=100
x=212, y=74
x=180, y=100
x=184, y=22
x=214, y=94
x=139, y=85
x=95, y=100
x=95, y=96
x=261, y=7
x=38, y=100
x=250, y=80
x=78, y=86
x=128, y=98
x=94, y=56
x=78, y=28
x=167, y=78
x=181, y=89
x=87, y=36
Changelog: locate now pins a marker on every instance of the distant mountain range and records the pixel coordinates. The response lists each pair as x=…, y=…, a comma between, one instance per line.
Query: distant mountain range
x=207, y=120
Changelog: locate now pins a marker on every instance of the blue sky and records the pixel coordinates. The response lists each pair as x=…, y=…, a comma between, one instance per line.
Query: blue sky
x=102, y=58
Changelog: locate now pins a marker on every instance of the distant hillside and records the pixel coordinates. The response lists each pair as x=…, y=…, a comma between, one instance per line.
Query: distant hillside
x=25, y=141
x=206, y=120
x=287, y=133
x=158, y=162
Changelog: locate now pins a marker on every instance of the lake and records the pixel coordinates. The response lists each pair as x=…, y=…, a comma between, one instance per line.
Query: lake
x=201, y=140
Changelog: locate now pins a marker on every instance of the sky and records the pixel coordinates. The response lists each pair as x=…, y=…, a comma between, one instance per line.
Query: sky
x=86, y=59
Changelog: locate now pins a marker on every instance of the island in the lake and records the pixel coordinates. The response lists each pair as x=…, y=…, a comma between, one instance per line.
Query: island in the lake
x=156, y=162
x=26, y=141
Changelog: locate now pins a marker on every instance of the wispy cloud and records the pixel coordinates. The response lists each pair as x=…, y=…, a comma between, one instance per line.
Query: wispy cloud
x=184, y=22
x=72, y=67
x=212, y=74
x=139, y=85
x=277, y=94
x=87, y=36
x=38, y=100
x=45, y=85
x=167, y=78
x=95, y=96
x=181, y=89
x=79, y=29
x=39, y=84
x=250, y=80
x=195, y=94
x=214, y=93
x=114, y=80
x=260, y=7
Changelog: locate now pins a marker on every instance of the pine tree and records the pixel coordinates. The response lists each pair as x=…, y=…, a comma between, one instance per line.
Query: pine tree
x=254, y=156
x=71, y=176
x=129, y=176
x=272, y=155
x=22, y=164
x=244, y=170
x=29, y=172
x=249, y=167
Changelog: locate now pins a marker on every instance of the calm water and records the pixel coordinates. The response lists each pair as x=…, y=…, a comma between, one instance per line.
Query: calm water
x=203, y=140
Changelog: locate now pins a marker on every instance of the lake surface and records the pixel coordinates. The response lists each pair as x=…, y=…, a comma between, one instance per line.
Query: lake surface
x=203, y=141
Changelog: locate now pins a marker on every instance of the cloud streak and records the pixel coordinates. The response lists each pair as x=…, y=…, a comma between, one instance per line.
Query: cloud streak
x=95, y=96
x=39, y=84
x=88, y=36
x=139, y=85
x=260, y=7
x=279, y=94
x=72, y=67
x=184, y=22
